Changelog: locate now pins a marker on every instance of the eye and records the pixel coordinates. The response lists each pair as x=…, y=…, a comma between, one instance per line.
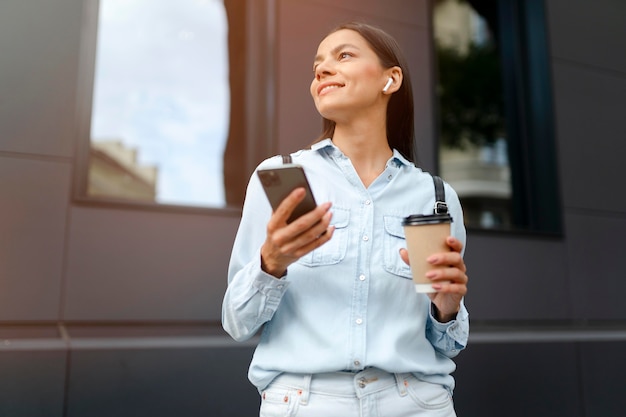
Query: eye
x=344, y=55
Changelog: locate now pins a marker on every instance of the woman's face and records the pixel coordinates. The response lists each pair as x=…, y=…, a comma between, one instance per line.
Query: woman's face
x=348, y=77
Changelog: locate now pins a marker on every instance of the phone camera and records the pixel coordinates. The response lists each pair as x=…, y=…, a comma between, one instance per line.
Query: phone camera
x=269, y=178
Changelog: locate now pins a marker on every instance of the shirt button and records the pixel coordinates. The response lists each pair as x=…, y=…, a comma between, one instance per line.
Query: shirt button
x=357, y=363
x=368, y=202
x=365, y=238
x=390, y=177
x=359, y=321
x=362, y=277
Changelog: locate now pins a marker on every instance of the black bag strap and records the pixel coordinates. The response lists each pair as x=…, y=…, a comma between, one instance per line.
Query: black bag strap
x=441, y=207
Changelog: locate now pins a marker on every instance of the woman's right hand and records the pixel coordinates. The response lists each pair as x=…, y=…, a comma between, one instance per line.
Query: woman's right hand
x=286, y=243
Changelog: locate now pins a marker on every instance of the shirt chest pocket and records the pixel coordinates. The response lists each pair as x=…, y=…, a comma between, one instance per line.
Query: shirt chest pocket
x=394, y=240
x=333, y=251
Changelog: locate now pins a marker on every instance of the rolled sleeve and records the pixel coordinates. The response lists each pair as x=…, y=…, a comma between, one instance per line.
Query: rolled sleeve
x=273, y=289
x=251, y=299
x=451, y=337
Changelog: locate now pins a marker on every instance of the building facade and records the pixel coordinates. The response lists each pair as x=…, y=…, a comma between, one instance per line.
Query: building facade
x=109, y=308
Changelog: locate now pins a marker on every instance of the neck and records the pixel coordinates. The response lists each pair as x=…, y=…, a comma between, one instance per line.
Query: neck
x=367, y=148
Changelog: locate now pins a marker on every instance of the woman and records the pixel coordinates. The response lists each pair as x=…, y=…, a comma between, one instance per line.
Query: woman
x=343, y=331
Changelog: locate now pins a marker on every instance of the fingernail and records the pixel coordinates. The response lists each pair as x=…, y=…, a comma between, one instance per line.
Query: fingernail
x=431, y=274
x=432, y=259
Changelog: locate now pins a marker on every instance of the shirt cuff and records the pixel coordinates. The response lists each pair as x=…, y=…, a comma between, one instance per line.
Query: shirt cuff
x=271, y=287
x=457, y=329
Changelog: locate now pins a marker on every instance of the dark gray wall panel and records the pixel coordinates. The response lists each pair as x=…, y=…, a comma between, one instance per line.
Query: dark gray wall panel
x=603, y=369
x=39, y=41
x=32, y=383
x=34, y=197
x=399, y=11
x=516, y=278
x=301, y=27
x=596, y=266
x=590, y=109
x=518, y=380
x=591, y=33
x=161, y=383
x=137, y=265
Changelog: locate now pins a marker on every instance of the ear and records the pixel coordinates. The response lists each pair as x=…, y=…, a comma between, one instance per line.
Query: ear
x=395, y=75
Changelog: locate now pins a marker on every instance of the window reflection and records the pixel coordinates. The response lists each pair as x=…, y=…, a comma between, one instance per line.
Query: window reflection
x=161, y=102
x=472, y=126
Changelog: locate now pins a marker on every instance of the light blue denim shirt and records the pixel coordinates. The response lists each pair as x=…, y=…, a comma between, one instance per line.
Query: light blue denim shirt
x=351, y=303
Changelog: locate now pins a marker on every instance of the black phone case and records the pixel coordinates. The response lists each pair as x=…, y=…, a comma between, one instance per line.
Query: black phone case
x=280, y=181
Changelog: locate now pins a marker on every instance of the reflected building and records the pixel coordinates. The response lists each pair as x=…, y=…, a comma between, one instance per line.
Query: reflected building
x=115, y=172
x=481, y=176
x=476, y=167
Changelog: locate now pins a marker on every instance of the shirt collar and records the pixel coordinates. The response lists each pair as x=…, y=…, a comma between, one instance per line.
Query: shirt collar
x=397, y=157
x=323, y=144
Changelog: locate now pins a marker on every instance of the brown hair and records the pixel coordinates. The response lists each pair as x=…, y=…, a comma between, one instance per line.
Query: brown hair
x=400, y=118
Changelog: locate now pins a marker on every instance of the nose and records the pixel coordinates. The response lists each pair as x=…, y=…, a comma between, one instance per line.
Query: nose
x=323, y=68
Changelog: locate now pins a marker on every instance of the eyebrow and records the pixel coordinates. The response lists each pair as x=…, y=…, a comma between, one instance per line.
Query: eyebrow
x=335, y=50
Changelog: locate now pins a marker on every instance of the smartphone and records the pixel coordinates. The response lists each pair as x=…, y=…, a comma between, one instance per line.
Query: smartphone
x=280, y=181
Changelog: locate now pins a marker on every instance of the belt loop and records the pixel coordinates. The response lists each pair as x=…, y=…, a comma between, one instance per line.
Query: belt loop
x=401, y=383
x=306, y=389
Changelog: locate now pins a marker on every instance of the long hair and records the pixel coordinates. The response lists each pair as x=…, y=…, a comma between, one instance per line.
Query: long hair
x=400, y=118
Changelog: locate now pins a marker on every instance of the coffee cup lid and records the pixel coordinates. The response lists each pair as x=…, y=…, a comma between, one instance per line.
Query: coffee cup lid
x=416, y=219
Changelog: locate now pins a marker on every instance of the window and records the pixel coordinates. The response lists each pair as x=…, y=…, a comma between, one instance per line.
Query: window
x=168, y=80
x=496, y=141
x=161, y=101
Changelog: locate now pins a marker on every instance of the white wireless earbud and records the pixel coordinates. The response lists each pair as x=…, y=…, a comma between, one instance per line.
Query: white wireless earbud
x=386, y=87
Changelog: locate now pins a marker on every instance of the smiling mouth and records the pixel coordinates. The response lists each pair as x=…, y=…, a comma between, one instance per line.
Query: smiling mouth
x=327, y=88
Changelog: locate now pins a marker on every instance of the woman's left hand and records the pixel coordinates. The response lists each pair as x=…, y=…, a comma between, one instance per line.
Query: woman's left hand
x=448, y=295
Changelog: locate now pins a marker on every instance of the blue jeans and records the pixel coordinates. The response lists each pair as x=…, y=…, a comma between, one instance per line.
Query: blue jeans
x=369, y=393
